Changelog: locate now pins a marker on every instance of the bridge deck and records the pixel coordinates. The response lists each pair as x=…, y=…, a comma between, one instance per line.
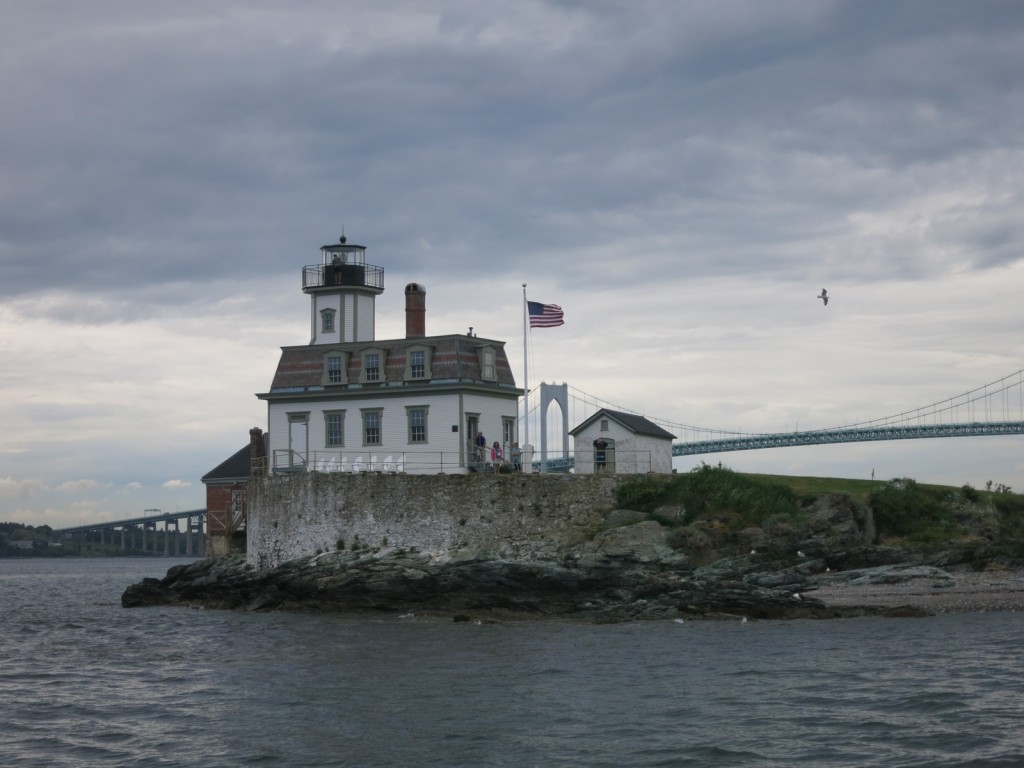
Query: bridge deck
x=164, y=517
x=847, y=435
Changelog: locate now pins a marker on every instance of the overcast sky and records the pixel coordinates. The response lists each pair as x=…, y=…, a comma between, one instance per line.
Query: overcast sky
x=682, y=177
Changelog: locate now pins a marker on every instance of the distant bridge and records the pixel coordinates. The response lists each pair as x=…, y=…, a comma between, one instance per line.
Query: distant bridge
x=996, y=408
x=142, y=534
x=847, y=435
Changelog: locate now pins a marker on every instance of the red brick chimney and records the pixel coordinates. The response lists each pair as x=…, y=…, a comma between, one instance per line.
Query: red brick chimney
x=257, y=452
x=415, y=311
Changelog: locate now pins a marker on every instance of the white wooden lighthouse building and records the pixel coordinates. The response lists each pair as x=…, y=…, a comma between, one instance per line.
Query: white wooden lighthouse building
x=348, y=401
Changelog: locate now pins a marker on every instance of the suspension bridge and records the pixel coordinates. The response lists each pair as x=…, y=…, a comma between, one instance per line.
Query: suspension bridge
x=996, y=408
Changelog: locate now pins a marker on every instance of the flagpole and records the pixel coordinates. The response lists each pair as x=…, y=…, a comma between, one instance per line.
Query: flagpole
x=526, y=382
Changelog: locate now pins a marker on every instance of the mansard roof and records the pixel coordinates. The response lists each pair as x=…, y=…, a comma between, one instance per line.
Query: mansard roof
x=453, y=359
x=635, y=423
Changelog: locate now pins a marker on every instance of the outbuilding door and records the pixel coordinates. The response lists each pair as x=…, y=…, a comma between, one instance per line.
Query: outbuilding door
x=608, y=456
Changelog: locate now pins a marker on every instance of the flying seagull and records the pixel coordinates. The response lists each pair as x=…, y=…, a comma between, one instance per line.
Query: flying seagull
x=823, y=296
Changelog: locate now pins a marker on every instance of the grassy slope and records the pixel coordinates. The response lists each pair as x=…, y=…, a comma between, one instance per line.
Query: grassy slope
x=859, y=489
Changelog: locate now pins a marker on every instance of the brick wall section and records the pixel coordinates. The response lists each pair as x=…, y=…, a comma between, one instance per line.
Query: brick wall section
x=218, y=509
x=515, y=516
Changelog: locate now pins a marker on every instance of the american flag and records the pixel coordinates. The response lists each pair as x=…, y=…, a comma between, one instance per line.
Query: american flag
x=544, y=315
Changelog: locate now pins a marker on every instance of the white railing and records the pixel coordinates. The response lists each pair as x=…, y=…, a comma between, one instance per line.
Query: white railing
x=452, y=462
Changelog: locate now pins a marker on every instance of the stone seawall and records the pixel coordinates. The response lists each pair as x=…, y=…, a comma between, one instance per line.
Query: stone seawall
x=510, y=516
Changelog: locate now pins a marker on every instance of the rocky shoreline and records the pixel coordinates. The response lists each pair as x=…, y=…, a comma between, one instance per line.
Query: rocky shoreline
x=635, y=566
x=603, y=589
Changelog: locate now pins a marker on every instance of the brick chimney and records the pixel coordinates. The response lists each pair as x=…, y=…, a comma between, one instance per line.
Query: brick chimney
x=257, y=452
x=415, y=311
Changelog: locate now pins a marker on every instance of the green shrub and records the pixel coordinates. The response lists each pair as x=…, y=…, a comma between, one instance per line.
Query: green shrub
x=1011, y=514
x=718, y=490
x=712, y=491
x=1009, y=504
x=904, y=509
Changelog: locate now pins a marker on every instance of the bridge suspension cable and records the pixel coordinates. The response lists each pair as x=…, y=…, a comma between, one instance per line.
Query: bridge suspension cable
x=996, y=408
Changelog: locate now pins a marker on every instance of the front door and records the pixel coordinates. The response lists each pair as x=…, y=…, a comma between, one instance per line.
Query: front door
x=298, y=439
x=469, y=443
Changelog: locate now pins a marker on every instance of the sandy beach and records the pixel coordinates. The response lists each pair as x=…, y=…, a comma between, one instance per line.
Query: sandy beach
x=959, y=593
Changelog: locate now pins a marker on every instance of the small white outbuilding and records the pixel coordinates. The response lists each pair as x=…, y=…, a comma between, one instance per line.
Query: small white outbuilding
x=624, y=443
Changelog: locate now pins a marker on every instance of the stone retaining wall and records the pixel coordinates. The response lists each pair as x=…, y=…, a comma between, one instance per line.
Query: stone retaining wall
x=514, y=516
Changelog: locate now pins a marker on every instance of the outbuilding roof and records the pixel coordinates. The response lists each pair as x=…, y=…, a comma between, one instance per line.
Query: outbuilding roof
x=635, y=423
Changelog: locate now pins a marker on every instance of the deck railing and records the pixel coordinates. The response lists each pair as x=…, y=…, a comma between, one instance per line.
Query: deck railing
x=352, y=275
x=452, y=462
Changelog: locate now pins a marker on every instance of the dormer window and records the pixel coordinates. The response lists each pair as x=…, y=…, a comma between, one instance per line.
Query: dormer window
x=488, y=365
x=417, y=363
x=417, y=366
x=372, y=363
x=335, y=369
x=327, y=321
x=373, y=366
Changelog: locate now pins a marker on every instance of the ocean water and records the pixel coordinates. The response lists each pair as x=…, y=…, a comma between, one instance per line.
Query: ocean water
x=84, y=682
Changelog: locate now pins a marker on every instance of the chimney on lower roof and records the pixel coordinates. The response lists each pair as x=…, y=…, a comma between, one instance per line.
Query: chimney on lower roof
x=257, y=452
x=415, y=311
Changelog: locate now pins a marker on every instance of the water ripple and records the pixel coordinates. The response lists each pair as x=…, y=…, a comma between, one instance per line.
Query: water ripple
x=84, y=682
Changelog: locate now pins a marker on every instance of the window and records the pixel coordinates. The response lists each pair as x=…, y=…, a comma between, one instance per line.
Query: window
x=237, y=504
x=334, y=428
x=417, y=415
x=604, y=425
x=327, y=321
x=373, y=366
x=372, y=426
x=417, y=364
x=508, y=430
x=488, y=369
x=335, y=369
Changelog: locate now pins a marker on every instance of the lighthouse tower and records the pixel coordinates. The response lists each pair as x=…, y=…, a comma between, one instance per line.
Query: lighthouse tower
x=342, y=289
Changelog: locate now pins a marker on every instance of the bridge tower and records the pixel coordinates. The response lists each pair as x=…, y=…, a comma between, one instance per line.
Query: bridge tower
x=553, y=393
x=342, y=289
